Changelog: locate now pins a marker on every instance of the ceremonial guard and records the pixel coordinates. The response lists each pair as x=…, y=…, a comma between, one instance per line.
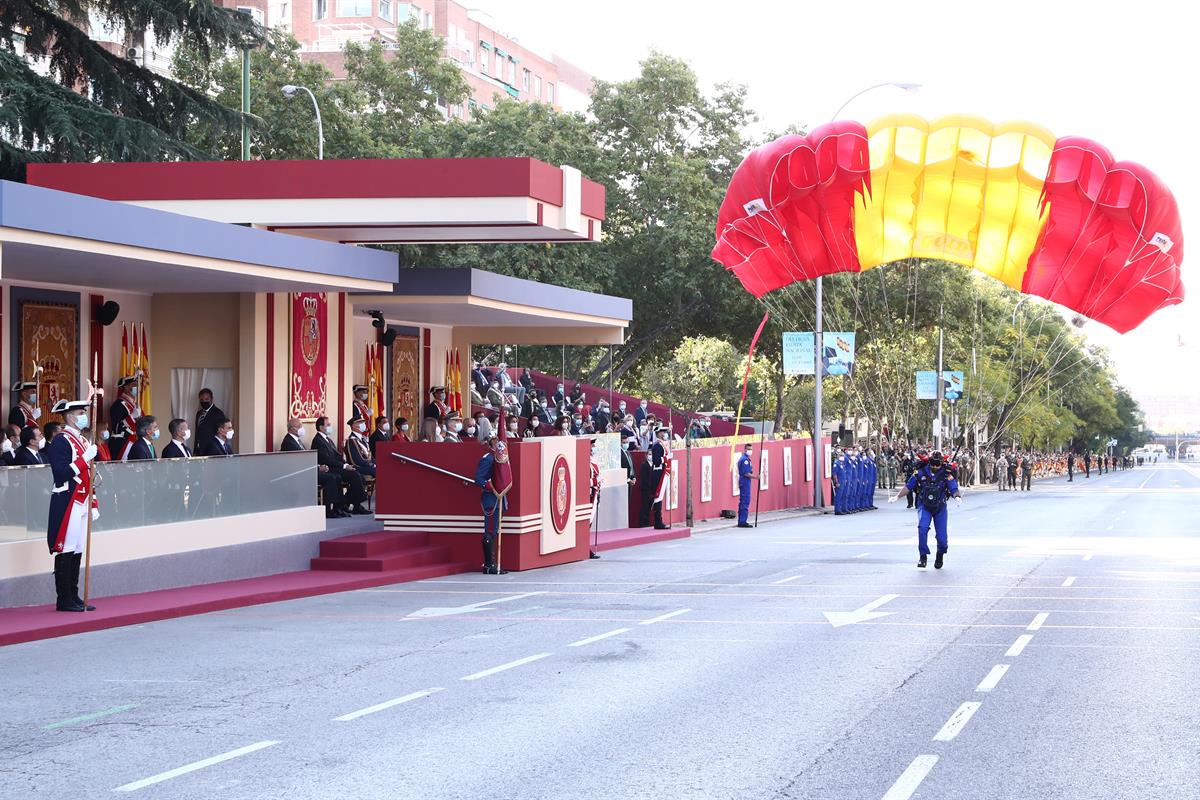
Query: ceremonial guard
x=494, y=476
x=26, y=413
x=361, y=409
x=70, y=459
x=745, y=468
x=594, y=498
x=653, y=480
x=933, y=484
x=123, y=417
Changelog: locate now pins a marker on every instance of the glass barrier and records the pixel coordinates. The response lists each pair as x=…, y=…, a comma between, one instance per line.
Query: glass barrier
x=142, y=493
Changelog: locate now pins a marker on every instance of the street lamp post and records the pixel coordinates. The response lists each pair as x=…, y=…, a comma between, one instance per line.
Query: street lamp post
x=818, y=497
x=289, y=92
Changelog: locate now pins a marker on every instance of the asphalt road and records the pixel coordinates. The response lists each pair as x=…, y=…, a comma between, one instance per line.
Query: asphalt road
x=1055, y=656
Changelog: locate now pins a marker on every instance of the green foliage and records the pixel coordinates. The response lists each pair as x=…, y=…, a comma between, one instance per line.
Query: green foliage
x=126, y=112
x=702, y=373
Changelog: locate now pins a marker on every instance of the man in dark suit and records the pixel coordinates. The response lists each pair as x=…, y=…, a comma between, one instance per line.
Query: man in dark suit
x=478, y=379
x=218, y=445
x=330, y=483
x=9, y=442
x=28, y=454
x=641, y=412
x=382, y=433
x=330, y=457
x=180, y=433
x=208, y=419
x=142, y=448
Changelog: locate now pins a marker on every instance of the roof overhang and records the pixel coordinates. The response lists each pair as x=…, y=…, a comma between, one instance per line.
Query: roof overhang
x=387, y=201
x=498, y=308
x=48, y=236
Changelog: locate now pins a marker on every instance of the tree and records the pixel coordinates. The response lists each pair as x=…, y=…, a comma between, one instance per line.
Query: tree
x=702, y=373
x=64, y=97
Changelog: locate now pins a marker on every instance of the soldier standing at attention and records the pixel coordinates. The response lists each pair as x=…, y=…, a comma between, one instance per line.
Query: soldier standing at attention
x=494, y=476
x=745, y=469
x=25, y=414
x=70, y=458
x=123, y=417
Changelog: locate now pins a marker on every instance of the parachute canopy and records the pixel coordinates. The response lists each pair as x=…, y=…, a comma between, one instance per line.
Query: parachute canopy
x=1056, y=218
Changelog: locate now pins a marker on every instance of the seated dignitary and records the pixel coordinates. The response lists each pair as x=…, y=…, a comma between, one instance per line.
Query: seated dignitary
x=219, y=445
x=358, y=447
x=180, y=433
x=9, y=443
x=329, y=456
x=29, y=453
x=142, y=448
x=329, y=482
x=382, y=433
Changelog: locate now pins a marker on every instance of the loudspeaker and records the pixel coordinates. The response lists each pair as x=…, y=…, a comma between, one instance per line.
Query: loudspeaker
x=107, y=314
x=387, y=338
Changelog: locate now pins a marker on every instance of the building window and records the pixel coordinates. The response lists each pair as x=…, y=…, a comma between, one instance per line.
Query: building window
x=320, y=9
x=526, y=80
x=483, y=60
x=354, y=8
x=537, y=86
x=428, y=20
x=550, y=93
x=385, y=9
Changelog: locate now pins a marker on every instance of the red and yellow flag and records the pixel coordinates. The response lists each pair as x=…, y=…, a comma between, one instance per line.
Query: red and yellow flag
x=144, y=363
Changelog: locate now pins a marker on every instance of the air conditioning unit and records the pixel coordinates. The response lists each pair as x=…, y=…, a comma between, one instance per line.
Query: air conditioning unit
x=135, y=54
x=254, y=13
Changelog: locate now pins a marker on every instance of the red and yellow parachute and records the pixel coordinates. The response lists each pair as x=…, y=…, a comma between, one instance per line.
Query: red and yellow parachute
x=1056, y=218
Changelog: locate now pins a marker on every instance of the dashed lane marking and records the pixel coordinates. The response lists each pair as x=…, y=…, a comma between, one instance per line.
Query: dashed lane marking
x=362, y=712
x=195, y=765
x=911, y=778
x=958, y=720
x=89, y=717
x=1088, y=557
x=992, y=678
x=787, y=580
x=1038, y=621
x=1069, y=582
x=592, y=639
x=1019, y=645
x=510, y=665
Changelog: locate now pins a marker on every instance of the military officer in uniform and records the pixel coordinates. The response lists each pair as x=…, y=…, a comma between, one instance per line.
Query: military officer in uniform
x=358, y=447
x=494, y=477
x=838, y=481
x=124, y=415
x=361, y=409
x=70, y=457
x=26, y=413
x=745, y=468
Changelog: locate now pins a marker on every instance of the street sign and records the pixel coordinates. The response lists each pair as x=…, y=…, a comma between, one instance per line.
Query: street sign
x=927, y=385
x=837, y=353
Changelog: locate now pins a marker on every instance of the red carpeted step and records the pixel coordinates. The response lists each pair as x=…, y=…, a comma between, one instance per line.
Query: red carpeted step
x=628, y=537
x=396, y=559
x=363, y=545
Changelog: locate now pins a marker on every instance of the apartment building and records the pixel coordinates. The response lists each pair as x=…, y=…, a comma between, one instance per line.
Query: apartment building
x=494, y=63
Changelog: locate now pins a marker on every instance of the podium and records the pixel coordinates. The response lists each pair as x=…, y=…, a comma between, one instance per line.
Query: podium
x=549, y=509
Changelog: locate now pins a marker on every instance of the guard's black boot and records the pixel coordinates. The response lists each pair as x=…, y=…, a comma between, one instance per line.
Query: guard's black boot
x=922, y=562
x=937, y=561
x=64, y=599
x=593, y=554
x=75, y=563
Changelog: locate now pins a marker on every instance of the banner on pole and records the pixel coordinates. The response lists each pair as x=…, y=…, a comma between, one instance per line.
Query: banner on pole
x=837, y=353
x=927, y=385
x=952, y=385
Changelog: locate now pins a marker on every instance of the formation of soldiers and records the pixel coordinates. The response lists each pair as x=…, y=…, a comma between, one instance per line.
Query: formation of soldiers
x=855, y=478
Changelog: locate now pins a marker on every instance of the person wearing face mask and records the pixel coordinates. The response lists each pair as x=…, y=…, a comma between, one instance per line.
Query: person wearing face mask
x=361, y=409
x=123, y=416
x=26, y=412
x=221, y=443
x=71, y=501
x=534, y=428
x=9, y=443
x=495, y=397
x=382, y=433
x=329, y=483
x=437, y=408
x=358, y=447
x=641, y=412
x=454, y=426
x=100, y=439
x=330, y=457
x=513, y=427
x=563, y=426
x=208, y=418
x=483, y=429
x=627, y=445
x=180, y=433
x=601, y=416
x=401, y=432
x=559, y=398
x=29, y=453
x=143, y=448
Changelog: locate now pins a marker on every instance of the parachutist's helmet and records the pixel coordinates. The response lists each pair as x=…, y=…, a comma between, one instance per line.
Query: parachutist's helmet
x=935, y=458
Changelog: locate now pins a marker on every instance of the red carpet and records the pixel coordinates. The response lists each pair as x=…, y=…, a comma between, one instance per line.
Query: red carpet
x=628, y=537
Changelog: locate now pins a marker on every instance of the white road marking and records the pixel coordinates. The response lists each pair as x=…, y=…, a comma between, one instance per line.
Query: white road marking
x=1088, y=557
x=1069, y=581
x=1019, y=645
x=1038, y=621
x=666, y=616
x=839, y=618
x=591, y=639
x=862, y=555
x=911, y=778
x=519, y=662
x=362, y=712
x=196, y=765
x=787, y=580
x=958, y=720
x=993, y=678
x=482, y=605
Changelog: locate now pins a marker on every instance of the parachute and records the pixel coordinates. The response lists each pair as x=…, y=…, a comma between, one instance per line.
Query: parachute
x=1056, y=218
